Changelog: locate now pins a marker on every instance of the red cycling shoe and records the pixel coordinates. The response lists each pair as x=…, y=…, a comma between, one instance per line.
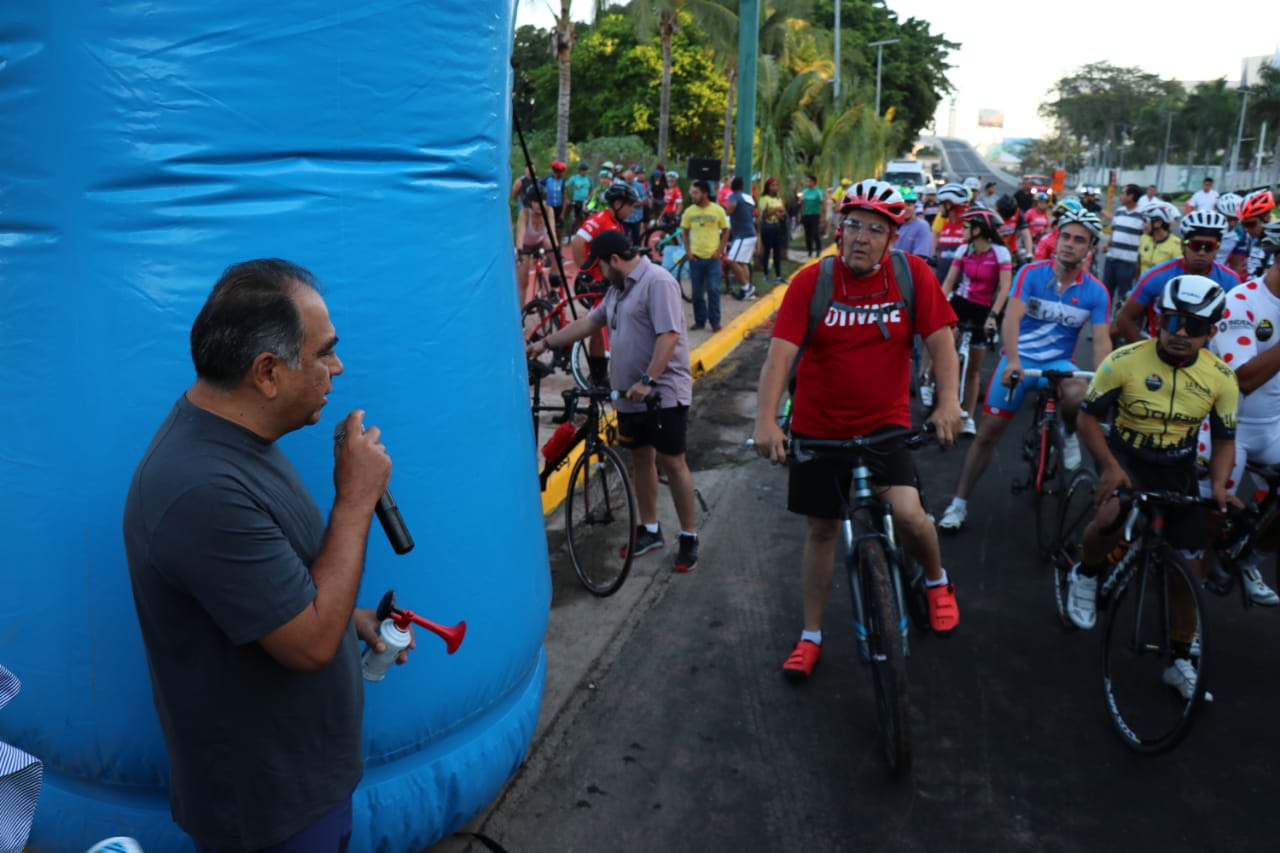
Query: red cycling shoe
x=944, y=613
x=803, y=659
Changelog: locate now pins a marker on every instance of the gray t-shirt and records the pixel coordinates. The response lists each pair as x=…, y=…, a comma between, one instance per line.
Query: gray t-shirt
x=647, y=306
x=742, y=222
x=219, y=532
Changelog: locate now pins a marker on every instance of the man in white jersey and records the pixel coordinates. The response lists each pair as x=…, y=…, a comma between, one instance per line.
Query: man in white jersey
x=1204, y=199
x=1247, y=343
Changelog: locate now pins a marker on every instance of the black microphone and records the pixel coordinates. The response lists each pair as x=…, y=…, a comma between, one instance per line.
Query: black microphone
x=387, y=511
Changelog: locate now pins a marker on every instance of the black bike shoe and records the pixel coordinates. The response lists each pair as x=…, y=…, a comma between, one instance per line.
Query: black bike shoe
x=687, y=557
x=645, y=542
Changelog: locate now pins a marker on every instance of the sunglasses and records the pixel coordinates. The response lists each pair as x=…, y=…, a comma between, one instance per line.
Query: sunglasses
x=1250, y=222
x=1194, y=327
x=1202, y=245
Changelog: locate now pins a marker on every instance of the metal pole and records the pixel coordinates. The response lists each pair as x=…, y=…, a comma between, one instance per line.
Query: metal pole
x=879, y=46
x=1235, y=149
x=748, y=47
x=1262, y=145
x=835, y=90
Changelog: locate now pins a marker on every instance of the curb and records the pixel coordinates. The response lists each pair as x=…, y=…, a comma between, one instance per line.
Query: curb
x=702, y=359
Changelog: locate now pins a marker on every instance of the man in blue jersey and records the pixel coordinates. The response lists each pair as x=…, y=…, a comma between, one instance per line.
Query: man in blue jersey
x=1202, y=232
x=1051, y=303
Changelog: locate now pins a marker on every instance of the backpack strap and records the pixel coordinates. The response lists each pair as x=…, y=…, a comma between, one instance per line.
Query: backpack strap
x=906, y=286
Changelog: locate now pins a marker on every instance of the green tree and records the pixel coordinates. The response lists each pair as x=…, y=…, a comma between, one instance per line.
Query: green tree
x=1100, y=104
x=1264, y=106
x=562, y=46
x=1043, y=156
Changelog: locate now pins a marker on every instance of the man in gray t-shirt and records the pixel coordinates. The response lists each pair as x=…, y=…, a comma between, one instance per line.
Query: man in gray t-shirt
x=244, y=596
x=649, y=355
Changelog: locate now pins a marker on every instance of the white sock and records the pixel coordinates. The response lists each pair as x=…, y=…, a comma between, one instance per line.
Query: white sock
x=814, y=637
x=942, y=581
x=959, y=503
x=687, y=533
x=652, y=528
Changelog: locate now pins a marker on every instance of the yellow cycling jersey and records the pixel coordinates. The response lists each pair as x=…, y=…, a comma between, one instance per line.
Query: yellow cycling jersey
x=1158, y=407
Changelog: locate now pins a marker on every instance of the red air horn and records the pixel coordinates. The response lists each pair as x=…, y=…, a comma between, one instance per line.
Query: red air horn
x=451, y=634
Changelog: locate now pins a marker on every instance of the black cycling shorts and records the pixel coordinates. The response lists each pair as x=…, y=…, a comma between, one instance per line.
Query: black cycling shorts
x=1184, y=527
x=664, y=430
x=968, y=311
x=820, y=487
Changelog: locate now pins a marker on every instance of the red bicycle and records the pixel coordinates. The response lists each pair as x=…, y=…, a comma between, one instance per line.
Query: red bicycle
x=542, y=317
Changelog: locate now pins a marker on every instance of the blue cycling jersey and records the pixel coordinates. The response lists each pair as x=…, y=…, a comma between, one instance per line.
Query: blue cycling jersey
x=1151, y=285
x=1050, y=328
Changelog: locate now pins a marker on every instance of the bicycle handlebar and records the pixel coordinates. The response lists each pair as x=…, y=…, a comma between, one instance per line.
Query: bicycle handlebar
x=1052, y=375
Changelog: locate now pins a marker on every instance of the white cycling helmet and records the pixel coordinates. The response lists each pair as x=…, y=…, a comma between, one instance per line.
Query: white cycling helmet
x=877, y=197
x=954, y=193
x=971, y=184
x=1085, y=218
x=1159, y=210
x=1229, y=205
x=1196, y=295
x=1270, y=239
x=1203, y=220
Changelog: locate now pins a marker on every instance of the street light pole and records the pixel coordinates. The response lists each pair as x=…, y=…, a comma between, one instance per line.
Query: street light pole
x=879, y=46
x=835, y=90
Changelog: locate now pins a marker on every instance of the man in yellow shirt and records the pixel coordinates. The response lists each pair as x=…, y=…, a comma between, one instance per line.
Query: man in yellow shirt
x=1159, y=244
x=706, y=233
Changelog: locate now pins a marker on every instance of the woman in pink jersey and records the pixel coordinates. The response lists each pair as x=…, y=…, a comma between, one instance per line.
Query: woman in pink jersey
x=978, y=286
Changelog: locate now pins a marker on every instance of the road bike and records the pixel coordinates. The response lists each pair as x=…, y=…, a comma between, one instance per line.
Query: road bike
x=968, y=330
x=546, y=286
x=1061, y=497
x=886, y=585
x=600, y=504
x=1153, y=604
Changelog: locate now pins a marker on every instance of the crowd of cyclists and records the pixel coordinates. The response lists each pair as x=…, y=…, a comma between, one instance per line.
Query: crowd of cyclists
x=1181, y=308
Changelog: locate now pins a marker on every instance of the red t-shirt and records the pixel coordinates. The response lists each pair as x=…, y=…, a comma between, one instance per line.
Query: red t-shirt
x=671, y=201
x=851, y=380
x=597, y=223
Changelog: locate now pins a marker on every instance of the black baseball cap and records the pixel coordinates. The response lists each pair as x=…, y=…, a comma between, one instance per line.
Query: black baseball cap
x=610, y=243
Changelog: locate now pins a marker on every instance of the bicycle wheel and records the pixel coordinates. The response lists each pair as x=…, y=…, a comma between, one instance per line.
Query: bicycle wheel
x=680, y=272
x=580, y=366
x=1075, y=508
x=1162, y=599
x=651, y=239
x=888, y=667
x=600, y=520
x=1047, y=487
x=538, y=318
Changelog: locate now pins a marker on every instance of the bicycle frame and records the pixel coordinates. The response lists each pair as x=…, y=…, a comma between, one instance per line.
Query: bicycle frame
x=587, y=432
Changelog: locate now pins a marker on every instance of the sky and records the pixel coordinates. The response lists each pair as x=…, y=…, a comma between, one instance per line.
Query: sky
x=1005, y=64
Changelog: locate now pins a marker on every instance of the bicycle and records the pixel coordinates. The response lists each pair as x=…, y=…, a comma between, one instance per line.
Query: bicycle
x=540, y=318
x=968, y=329
x=1061, y=498
x=1258, y=522
x=660, y=239
x=545, y=285
x=599, y=496
x=886, y=585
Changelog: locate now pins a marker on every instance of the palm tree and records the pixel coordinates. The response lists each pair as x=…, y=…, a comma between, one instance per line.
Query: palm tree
x=562, y=46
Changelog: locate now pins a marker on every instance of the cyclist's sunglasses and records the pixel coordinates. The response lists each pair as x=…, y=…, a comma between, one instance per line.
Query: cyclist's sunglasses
x=1202, y=245
x=1194, y=327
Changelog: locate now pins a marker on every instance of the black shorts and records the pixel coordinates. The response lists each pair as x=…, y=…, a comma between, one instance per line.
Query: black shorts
x=820, y=487
x=1184, y=527
x=971, y=312
x=664, y=430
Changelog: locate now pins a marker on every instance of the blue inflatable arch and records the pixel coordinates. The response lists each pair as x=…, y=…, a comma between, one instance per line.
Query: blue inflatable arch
x=145, y=146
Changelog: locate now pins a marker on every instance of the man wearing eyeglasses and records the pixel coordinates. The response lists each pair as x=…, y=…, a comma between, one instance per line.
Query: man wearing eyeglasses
x=1159, y=391
x=852, y=373
x=1202, y=232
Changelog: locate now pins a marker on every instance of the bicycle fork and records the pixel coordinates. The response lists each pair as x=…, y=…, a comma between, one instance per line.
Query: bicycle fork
x=862, y=476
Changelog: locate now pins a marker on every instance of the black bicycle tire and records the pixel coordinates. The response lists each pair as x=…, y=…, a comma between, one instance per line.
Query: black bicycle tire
x=596, y=582
x=579, y=367
x=1164, y=559
x=888, y=665
x=1067, y=539
x=680, y=272
x=647, y=240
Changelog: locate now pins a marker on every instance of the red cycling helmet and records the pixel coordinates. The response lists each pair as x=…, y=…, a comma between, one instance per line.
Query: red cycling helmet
x=558, y=166
x=1257, y=205
x=988, y=221
x=876, y=196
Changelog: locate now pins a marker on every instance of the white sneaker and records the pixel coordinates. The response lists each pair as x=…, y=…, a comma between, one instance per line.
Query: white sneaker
x=1259, y=592
x=953, y=518
x=1082, y=599
x=1182, y=677
x=926, y=396
x=968, y=427
x=1071, y=451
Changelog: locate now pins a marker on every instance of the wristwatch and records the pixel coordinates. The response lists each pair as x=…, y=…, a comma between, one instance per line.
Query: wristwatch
x=646, y=379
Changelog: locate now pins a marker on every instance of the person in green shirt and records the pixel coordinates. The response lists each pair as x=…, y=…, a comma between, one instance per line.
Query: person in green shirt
x=706, y=233
x=813, y=200
x=579, y=190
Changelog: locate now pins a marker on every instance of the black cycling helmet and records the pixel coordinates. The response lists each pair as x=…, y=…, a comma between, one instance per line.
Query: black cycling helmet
x=987, y=222
x=1006, y=206
x=622, y=193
